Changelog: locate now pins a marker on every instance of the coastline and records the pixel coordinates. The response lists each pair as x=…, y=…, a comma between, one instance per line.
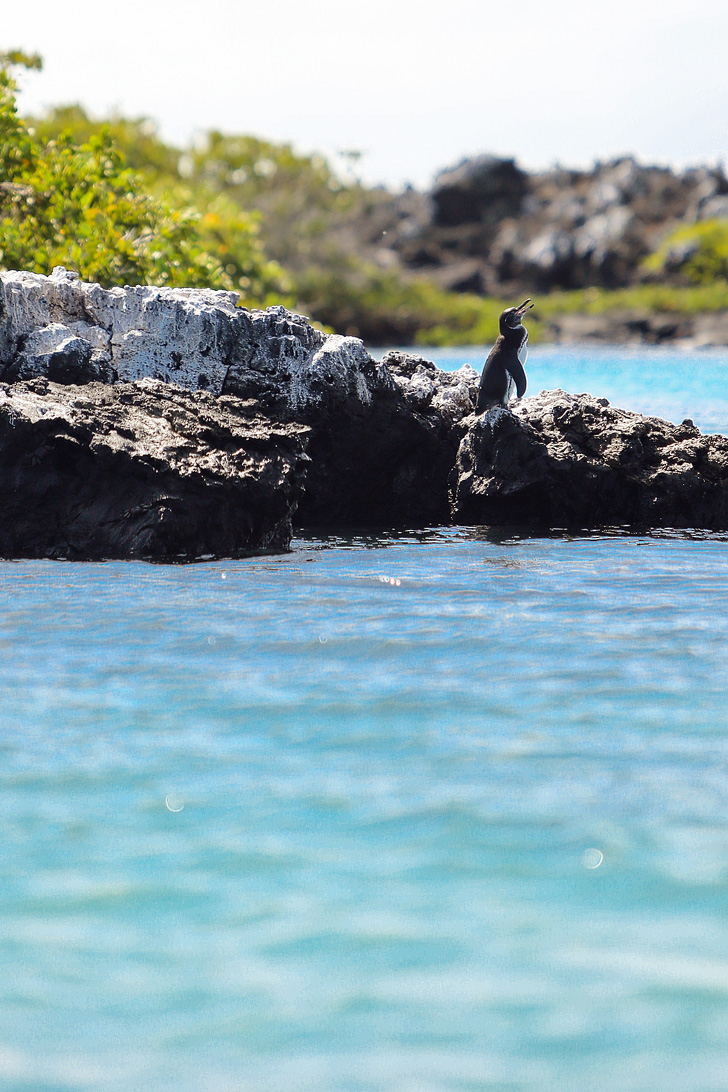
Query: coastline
x=173, y=424
x=704, y=329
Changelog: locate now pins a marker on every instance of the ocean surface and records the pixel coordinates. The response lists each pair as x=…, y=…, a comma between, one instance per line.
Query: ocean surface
x=416, y=811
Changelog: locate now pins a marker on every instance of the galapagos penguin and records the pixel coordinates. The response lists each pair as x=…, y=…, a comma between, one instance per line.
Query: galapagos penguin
x=504, y=366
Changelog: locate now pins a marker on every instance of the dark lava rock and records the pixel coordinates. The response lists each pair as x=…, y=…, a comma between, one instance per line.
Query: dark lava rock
x=380, y=434
x=291, y=420
x=142, y=470
x=485, y=188
x=623, y=327
x=381, y=441
x=573, y=461
x=67, y=361
x=632, y=327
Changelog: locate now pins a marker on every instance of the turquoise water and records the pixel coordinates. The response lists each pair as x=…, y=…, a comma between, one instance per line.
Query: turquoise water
x=430, y=811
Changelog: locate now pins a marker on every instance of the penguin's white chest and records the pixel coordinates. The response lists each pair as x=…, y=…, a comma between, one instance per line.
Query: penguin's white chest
x=523, y=350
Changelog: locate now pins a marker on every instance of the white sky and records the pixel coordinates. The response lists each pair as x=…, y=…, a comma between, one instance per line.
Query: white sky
x=414, y=85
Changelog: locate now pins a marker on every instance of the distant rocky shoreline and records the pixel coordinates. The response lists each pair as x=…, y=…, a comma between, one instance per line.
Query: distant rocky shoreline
x=489, y=227
x=173, y=425
x=704, y=330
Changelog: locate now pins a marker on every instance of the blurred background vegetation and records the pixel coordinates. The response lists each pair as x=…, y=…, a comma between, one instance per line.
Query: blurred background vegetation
x=112, y=200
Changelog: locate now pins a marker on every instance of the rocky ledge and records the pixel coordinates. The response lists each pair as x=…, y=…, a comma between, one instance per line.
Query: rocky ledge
x=142, y=470
x=573, y=461
x=378, y=436
x=488, y=226
x=638, y=327
x=173, y=424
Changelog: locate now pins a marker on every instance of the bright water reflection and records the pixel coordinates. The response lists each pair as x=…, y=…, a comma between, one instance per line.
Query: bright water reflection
x=454, y=816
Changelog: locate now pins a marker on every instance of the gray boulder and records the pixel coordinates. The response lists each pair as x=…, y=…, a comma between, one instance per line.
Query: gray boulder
x=487, y=226
x=207, y=456
x=58, y=353
x=190, y=337
x=482, y=189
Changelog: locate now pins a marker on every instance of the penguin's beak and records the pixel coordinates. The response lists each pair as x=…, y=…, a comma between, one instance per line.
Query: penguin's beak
x=525, y=306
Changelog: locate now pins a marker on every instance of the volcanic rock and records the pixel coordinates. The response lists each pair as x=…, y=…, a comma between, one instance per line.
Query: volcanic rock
x=702, y=329
x=186, y=336
x=485, y=189
x=142, y=470
x=263, y=415
x=572, y=461
x=381, y=442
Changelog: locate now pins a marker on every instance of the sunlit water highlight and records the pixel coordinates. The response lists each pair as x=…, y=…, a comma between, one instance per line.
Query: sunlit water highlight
x=434, y=810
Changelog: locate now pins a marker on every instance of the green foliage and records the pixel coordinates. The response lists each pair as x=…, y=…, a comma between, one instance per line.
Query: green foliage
x=295, y=197
x=232, y=234
x=257, y=171
x=300, y=200
x=80, y=206
x=72, y=200
x=17, y=58
x=136, y=138
x=116, y=202
x=385, y=308
x=698, y=252
x=16, y=146
x=654, y=298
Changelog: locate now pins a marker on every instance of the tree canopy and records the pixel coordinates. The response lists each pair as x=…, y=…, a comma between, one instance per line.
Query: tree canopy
x=72, y=199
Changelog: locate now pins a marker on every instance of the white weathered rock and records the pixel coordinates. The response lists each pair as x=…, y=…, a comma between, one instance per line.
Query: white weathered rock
x=183, y=336
x=69, y=331
x=65, y=329
x=457, y=395
x=338, y=365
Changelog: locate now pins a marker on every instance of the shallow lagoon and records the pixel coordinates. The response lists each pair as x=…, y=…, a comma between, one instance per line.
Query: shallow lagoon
x=442, y=809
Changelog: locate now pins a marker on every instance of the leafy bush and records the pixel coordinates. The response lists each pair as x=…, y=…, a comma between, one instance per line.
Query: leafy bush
x=78, y=204
x=116, y=202
x=293, y=200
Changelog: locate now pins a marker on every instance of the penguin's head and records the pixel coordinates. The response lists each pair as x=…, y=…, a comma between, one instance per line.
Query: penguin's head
x=513, y=316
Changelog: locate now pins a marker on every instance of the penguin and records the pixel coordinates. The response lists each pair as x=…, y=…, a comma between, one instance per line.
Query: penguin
x=504, y=367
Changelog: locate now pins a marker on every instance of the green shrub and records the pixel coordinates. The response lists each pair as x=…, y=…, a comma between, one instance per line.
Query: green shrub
x=78, y=204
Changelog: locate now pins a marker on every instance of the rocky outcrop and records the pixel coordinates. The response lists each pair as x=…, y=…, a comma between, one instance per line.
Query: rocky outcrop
x=380, y=443
x=572, y=461
x=71, y=331
x=265, y=416
x=142, y=470
x=484, y=191
x=701, y=330
x=487, y=226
